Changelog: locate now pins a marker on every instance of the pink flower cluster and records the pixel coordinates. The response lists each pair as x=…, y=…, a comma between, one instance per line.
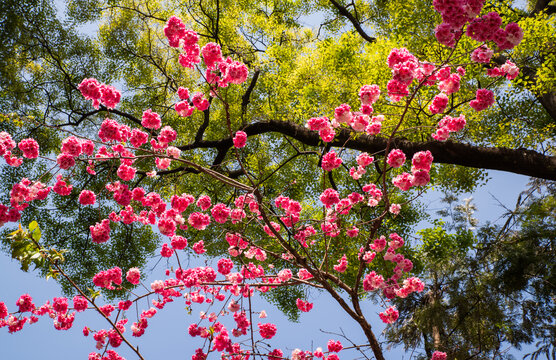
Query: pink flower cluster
x=438, y=104
x=448, y=125
x=488, y=28
x=396, y=158
x=103, y=94
x=7, y=144
x=323, y=126
x=509, y=69
x=240, y=139
x=29, y=148
x=107, y=278
x=100, y=232
x=390, y=315
x=267, y=330
x=482, y=54
x=405, y=67
x=342, y=264
x=363, y=160
x=457, y=13
x=303, y=305
x=331, y=161
x=484, y=99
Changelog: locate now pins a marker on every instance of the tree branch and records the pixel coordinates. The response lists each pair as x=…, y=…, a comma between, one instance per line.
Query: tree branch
x=518, y=161
x=356, y=24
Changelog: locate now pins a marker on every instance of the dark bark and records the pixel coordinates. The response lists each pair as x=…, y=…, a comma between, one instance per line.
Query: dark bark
x=518, y=161
x=356, y=24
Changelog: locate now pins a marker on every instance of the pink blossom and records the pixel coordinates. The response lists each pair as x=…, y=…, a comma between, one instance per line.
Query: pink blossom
x=439, y=355
x=318, y=124
x=364, y=159
x=183, y=93
x=420, y=178
x=342, y=114
x=174, y=30
x=204, y=202
x=29, y=148
x=360, y=122
x=90, y=89
x=199, y=247
x=133, y=275
x=329, y=197
x=483, y=28
x=100, y=232
x=173, y=152
x=327, y=134
x=167, y=135
x=151, y=120
x=450, y=85
x=303, y=305
x=482, y=54
x=422, y=160
x=446, y=35
x=342, y=264
x=199, y=101
x=105, y=278
x=125, y=172
x=211, y=54
x=330, y=161
x=304, y=274
x=110, y=130
x=374, y=127
x=369, y=94
x=390, y=315
x=220, y=213
x=372, y=281
x=403, y=181
x=167, y=226
x=80, y=303
x=72, y=146
x=178, y=242
x=236, y=72
x=352, y=232
x=110, y=97
x=267, y=330
x=396, y=158
x=438, y=104
x=25, y=303
x=162, y=163
x=225, y=266
x=183, y=109
x=395, y=209
x=61, y=187
x=240, y=139
x=484, y=99
x=334, y=346
x=87, y=197
x=138, y=138
x=65, y=161
x=396, y=90
x=510, y=69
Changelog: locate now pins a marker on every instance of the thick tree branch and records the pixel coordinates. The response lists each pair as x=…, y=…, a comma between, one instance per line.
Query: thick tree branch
x=518, y=161
x=356, y=24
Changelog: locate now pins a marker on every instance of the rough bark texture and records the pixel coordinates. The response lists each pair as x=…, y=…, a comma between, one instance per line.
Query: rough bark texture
x=518, y=161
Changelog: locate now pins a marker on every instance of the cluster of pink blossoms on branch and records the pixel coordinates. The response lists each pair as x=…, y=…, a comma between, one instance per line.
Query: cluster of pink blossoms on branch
x=208, y=285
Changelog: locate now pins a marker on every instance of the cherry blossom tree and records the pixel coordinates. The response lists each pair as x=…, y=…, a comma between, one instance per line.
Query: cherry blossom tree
x=337, y=235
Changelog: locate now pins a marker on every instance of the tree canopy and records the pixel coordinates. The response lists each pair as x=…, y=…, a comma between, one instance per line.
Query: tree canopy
x=304, y=60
